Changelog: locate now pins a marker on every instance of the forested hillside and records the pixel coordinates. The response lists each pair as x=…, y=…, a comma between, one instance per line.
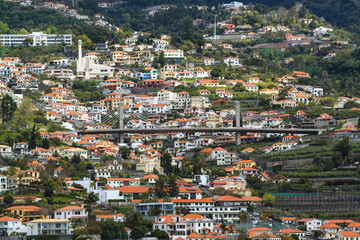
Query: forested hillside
x=32, y=19
x=341, y=13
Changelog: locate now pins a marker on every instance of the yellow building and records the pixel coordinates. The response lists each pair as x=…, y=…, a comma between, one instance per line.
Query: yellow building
x=215, y=117
x=147, y=164
x=156, y=145
x=245, y=164
x=114, y=103
x=26, y=213
x=71, y=151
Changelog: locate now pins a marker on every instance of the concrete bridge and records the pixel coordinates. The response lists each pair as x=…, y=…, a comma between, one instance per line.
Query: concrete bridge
x=238, y=130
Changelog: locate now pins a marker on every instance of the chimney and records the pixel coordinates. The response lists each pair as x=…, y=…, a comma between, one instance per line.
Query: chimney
x=80, y=52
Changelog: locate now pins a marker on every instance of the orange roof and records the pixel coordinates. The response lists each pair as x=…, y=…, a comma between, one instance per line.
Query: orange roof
x=290, y=231
x=353, y=225
x=193, y=216
x=287, y=218
x=194, y=235
x=259, y=229
x=329, y=225
x=27, y=207
x=305, y=219
x=205, y=200
x=189, y=190
x=133, y=189
x=69, y=208
x=339, y=221
x=122, y=179
x=228, y=199
x=105, y=216
x=151, y=176
x=349, y=233
x=6, y=219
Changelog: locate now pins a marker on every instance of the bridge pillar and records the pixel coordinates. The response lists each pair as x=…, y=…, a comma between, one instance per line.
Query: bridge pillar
x=238, y=122
x=121, y=121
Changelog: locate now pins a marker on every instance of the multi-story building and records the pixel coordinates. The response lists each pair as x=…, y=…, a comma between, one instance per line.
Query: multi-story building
x=223, y=208
x=177, y=226
x=183, y=100
x=174, y=55
x=49, y=227
x=164, y=207
x=3, y=183
x=5, y=151
x=37, y=39
x=120, y=182
x=26, y=212
x=9, y=225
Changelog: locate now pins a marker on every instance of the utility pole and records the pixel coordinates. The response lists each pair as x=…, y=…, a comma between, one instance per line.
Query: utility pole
x=121, y=121
x=215, y=15
x=238, y=122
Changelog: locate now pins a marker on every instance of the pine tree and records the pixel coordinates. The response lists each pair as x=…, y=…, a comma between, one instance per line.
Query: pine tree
x=173, y=187
x=32, y=142
x=8, y=108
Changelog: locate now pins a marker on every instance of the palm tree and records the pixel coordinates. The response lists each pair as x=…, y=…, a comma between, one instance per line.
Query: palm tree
x=91, y=199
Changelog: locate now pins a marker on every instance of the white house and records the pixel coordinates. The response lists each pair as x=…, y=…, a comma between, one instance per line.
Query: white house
x=215, y=152
x=9, y=225
x=70, y=212
x=310, y=223
x=232, y=61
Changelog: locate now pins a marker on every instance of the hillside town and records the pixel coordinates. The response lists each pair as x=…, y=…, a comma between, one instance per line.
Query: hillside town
x=146, y=138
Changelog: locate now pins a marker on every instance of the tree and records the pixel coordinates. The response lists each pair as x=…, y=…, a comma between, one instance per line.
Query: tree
x=113, y=230
x=239, y=87
x=8, y=108
x=23, y=31
x=173, y=187
x=12, y=171
x=86, y=42
x=125, y=152
x=268, y=199
x=32, y=142
x=345, y=151
x=294, y=236
x=55, y=142
x=284, y=237
x=45, y=143
x=91, y=199
x=138, y=232
x=160, y=234
x=8, y=199
x=76, y=159
x=28, y=41
x=160, y=188
x=165, y=162
x=24, y=114
x=49, y=192
x=4, y=28
x=312, y=25
x=160, y=61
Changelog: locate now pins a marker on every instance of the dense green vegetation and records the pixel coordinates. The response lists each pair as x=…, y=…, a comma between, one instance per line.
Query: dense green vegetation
x=342, y=13
x=31, y=19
